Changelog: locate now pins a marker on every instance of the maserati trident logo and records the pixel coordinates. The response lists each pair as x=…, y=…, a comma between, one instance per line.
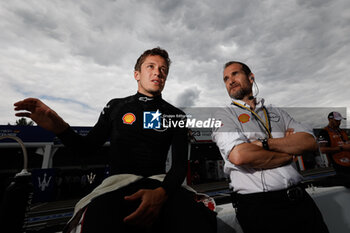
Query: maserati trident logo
x=43, y=184
x=91, y=177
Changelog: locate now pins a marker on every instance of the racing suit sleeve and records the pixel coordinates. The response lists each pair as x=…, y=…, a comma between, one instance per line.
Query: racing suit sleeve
x=177, y=172
x=96, y=137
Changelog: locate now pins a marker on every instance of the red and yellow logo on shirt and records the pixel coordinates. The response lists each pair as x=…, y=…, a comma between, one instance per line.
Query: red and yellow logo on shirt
x=129, y=118
x=244, y=118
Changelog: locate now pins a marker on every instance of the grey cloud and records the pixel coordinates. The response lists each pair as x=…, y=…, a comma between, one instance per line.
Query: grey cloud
x=313, y=3
x=36, y=19
x=188, y=97
x=298, y=50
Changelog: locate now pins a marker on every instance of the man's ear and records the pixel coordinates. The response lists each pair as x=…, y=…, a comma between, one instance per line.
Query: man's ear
x=251, y=78
x=137, y=75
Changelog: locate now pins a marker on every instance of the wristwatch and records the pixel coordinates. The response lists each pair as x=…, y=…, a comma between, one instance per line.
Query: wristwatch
x=264, y=143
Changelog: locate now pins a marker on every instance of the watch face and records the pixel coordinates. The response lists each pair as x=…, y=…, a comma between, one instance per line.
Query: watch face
x=264, y=143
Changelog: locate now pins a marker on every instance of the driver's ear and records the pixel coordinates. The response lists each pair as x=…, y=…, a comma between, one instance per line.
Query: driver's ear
x=137, y=75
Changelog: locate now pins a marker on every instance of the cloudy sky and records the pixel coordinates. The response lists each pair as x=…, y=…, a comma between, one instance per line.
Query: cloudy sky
x=77, y=55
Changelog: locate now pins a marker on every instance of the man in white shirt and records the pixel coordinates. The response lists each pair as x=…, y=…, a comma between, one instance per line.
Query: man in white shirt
x=258, y=143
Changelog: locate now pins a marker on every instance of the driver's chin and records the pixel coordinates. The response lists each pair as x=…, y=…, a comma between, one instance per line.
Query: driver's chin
x=155, y=91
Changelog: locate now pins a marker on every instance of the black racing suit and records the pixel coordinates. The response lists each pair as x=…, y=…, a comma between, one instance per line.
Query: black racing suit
x=139, y=151
x=135, y=150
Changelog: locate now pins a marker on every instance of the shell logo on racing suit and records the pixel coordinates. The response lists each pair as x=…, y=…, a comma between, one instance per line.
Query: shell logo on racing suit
x=129, y=118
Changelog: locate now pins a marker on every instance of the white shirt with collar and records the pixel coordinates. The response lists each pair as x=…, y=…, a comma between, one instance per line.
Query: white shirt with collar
x=239, y=126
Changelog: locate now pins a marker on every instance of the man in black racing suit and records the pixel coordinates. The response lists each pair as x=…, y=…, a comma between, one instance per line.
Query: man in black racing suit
x=147, y=204
x=135, y=150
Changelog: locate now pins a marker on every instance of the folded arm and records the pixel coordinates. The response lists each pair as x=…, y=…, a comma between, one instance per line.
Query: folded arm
x=254, y=156
x=281, y=150
x=296, y=143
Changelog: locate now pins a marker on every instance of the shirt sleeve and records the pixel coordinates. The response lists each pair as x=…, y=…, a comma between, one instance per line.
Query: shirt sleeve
x=289, y=122
x=229, y=134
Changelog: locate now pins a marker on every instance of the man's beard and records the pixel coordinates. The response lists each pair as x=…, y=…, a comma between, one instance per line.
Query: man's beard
x=241, y=93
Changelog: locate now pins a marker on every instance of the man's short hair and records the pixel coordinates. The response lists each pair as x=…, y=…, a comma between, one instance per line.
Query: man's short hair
x=245, y=68
x=153, y=52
